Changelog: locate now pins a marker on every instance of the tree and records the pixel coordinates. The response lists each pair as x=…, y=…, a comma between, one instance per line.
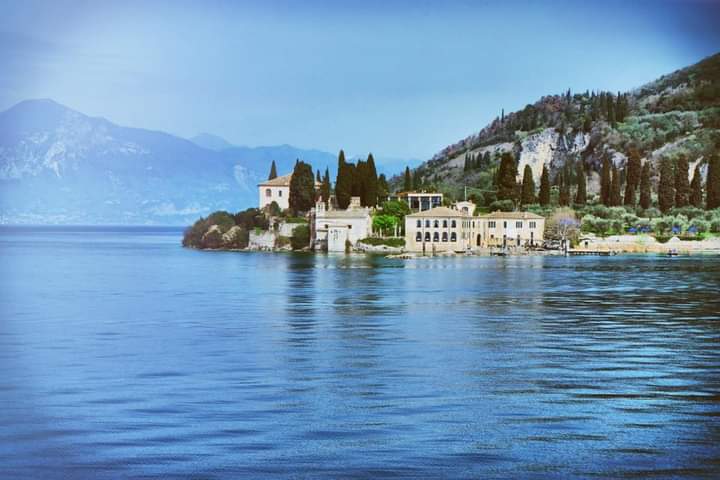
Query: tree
x=300, y=236
x=384, y=223
x=370, y=182
x=318, y=177
x=273, y=171
x=383, y=189
x=343, y=182
x=544, y=196
x=615, y=200
x=632, y=179
x=712, y=184
x=416, y=179
x=605, y=182
x=645, y=187
x=682, y=185
x=507, y=174
x=302, y=188
x=581, y=194
x=564, y=184
x=407, y=184
x=528, y=187
x=666, y=188
x=696, y=189
x=325, y=188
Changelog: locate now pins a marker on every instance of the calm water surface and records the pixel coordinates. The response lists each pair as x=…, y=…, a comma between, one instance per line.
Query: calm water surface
x=123, y=355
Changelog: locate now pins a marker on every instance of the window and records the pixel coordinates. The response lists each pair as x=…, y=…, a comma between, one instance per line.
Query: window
x=504, y=224
x=427, y=236
x=436, y=237
x=453, y=224
x=444, y=223
x=418, y=237
x=532, y=224
x=453, y=237
x=268, y=192
x=419, y=223
x=444, y=237
x=491, y=224
x=518, y=224
x=279, y=193
x=427, y=223
x=436, y=224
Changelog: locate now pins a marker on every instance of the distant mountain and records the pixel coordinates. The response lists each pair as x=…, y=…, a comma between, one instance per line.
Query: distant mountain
x=60, y=166
x=211, y=142
x=676, y=114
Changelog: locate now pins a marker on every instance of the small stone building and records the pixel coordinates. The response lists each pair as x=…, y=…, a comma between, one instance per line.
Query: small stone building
x=336, y=229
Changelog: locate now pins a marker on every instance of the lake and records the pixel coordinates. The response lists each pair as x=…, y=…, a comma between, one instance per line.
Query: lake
x=123, y=355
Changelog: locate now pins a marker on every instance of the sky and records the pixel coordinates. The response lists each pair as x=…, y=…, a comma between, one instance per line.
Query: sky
x=397, y=78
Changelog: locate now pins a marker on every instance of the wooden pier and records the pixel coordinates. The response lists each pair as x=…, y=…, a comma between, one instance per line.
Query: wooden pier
x=599, y=253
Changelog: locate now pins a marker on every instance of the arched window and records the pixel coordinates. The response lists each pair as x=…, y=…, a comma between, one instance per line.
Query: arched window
x=444, y=223
x=444, y=237
x=268, y=192
x=427, y=236
x=418, y=237
x=419, y=223
x=453, y=224
x=427, y=223
x=436, y=224
x=453, y=237
x=436, y=237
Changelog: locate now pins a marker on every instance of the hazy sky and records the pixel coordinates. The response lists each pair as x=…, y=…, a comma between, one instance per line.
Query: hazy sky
x=399, y=78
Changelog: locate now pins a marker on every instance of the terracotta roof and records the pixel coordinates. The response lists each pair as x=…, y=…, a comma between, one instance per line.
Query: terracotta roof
x=439, y=212
x=283, y=181
x=514, y=215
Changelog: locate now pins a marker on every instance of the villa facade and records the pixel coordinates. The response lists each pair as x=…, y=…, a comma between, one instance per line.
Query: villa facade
x=421, y=201
x=277, y=190
x=457, y=229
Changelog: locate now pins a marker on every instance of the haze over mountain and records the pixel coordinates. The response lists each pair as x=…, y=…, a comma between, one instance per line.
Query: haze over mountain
x=58, y=165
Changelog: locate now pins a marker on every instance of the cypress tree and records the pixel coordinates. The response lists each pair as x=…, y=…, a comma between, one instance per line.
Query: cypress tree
x=645, y=187
x=416, y=179
x=682, y=186
x=357, y=173
x=407, y=184
x=506, y=181
x=696, y=189
x=605, y=182
x=273, y=171
x=581, y=194
x=370, y=192
x=467, y=163
x=666, y=188
x=615, y=200
x=528, y=187
x=632, y=179
x=383, y=189
x=325, y=188
x=302, y=188
x=564, y=184
x=343, y=182
x=544, y=196
x=318, y=178
x=712, y=185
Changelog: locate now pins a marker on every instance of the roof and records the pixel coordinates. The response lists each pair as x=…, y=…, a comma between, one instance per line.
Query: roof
x=514, y=215
x=283, y=181
x=439, y=212
x=405, y=194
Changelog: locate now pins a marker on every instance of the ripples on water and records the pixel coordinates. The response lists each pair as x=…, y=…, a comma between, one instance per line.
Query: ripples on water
x=123, y=355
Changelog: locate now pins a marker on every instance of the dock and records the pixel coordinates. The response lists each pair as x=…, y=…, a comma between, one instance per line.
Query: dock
x=599, y=253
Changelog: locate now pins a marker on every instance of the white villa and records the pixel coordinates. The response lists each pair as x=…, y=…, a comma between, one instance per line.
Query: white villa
x=421, y=201
x=334, y=229
x=277, y=190
x=457, y=229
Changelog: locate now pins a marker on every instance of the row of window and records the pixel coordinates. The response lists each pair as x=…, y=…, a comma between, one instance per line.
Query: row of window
x=436, y=224
x=268, y=193
x=435, y=237
x=493, y=224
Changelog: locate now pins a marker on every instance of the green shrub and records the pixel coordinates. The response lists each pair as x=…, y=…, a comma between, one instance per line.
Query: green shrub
x=390, y=242
x=300, y=237
x=282, y=241
x=222, y=219
x=502, y=205
x=296, y=220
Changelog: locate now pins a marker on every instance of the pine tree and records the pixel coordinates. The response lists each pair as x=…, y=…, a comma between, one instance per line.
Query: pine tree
x=632, y=178
x=645, y=187
x=506, y=182
x=615, y=199
x=273, y=171
x=712, y=185
x=666, y=188
x=325, y=188
x=407, y=184
x=605, y=182
x=696, y=189
x=581, y=194
x=682, y=186
x=343, y=182
x=544, y=195
x=302, y=188
x=528, y=187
